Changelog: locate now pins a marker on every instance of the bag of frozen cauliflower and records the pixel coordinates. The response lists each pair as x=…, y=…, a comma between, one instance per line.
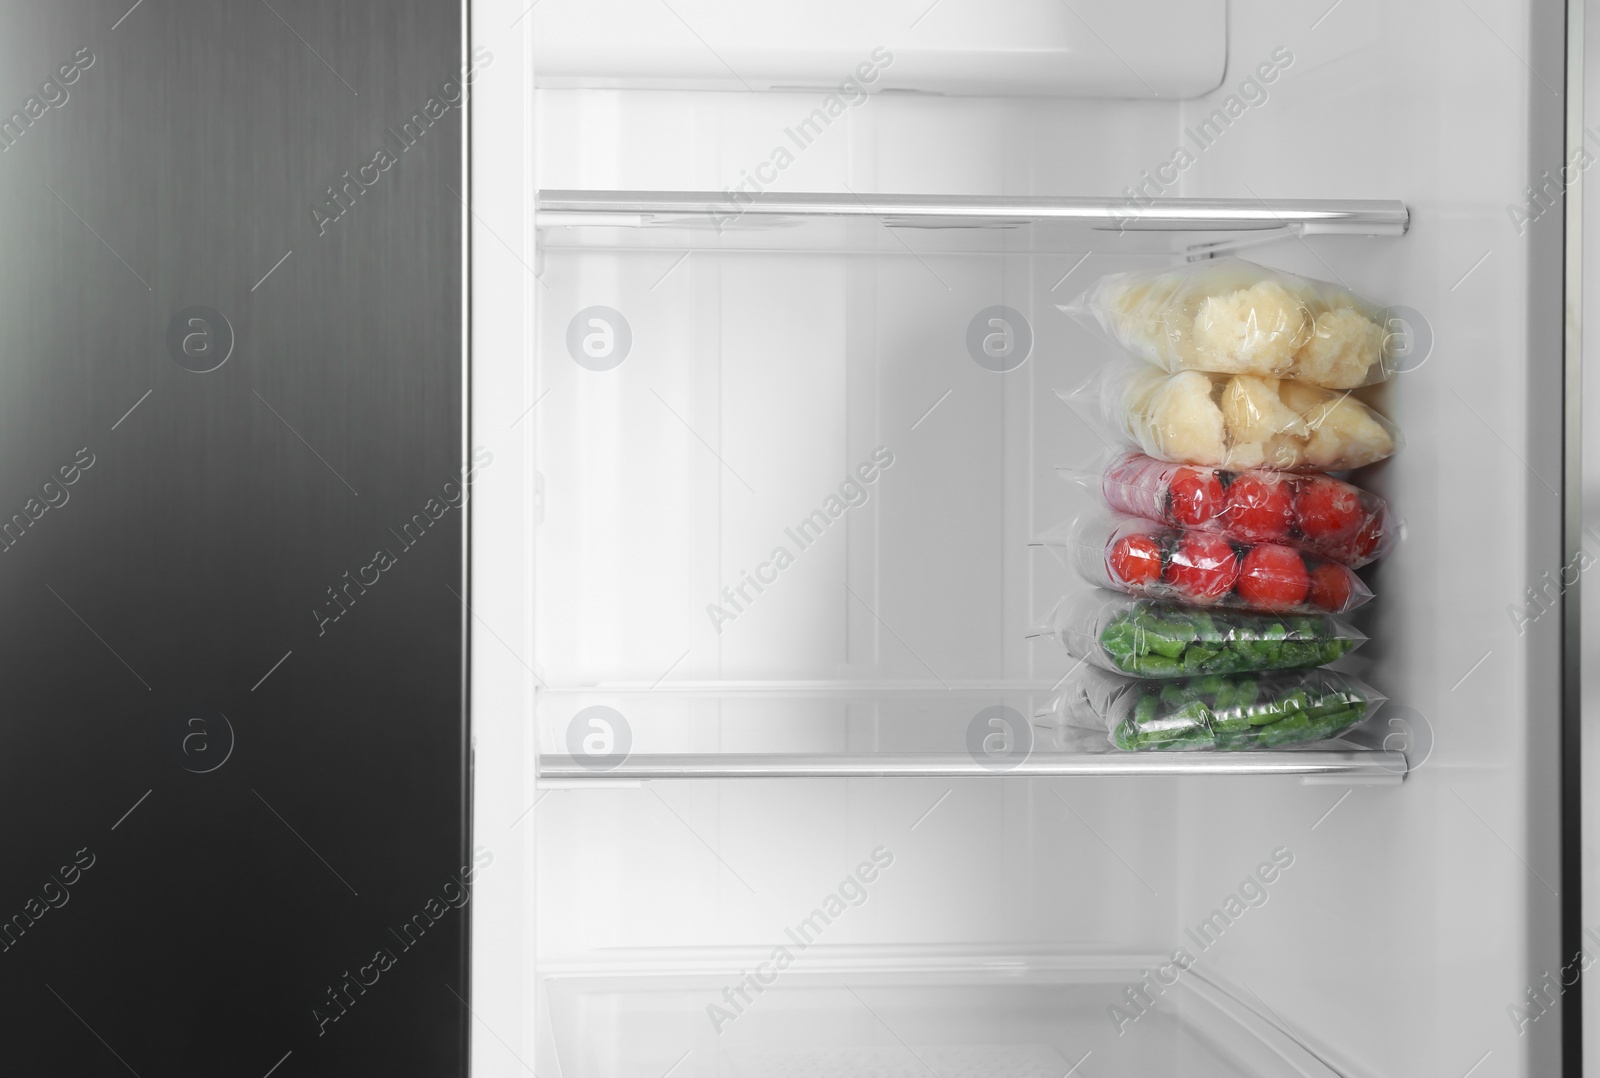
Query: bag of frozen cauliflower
x=1229, y=316
x=1237, y=421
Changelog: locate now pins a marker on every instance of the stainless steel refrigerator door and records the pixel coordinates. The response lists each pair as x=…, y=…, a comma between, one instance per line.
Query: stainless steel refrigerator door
x=233, y=754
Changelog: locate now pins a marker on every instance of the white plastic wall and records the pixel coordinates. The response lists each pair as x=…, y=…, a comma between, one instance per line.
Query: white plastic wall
x=1428, y=909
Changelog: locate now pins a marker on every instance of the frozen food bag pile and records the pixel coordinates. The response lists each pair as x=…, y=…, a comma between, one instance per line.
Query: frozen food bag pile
x=1225, y=712
x=1230, y=316
x=1148, y=638
x=1229, y=550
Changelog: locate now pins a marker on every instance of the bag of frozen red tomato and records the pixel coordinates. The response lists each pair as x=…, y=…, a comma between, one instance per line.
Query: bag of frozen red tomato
x=1188, y=565
x=1327, y=517
x=1234, y=317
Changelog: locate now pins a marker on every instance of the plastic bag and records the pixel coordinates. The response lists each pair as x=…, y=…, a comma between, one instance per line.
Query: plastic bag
x=1220, y=712
x=1235, y=317
x=1239, y=421
x=1148, y=638
x=1328, y=517
x=1201, y=568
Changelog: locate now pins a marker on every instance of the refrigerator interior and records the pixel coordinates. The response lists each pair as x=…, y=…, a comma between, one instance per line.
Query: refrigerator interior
x=984, y=921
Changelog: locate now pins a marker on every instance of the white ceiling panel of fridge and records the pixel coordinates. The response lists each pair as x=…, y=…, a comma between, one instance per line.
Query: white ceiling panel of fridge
x=1093, y=48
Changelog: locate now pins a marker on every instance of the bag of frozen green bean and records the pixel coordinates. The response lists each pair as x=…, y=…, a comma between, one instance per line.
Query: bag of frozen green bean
x=1149, y=638
x=1225, y=712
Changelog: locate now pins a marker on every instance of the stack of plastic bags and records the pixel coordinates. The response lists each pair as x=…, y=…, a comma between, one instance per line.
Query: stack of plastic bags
x=1231, y=547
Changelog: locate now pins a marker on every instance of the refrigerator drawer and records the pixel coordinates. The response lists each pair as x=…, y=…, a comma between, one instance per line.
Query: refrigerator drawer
x=873, y=1013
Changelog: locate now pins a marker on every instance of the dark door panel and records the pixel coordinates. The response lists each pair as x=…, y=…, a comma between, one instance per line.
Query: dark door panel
x=231, y=537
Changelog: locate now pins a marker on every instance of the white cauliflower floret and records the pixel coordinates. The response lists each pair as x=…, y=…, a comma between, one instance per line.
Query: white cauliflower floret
x=1302, y=398
x=1283, y=453
x=1255, y=330
x=1343, y=347
x=1253, y=411
x=1139, y=314
x=1345, y=434
x=1242, y=455
x=1125, y=395
x=1184, y=423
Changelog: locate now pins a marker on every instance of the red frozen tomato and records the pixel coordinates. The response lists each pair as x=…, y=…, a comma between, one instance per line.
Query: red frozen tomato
x=1194, y=497
x=1204, y=567
x=1330, y=587
x=1273, y=578
x=1327, y=509
x=1368, y=538
x=1259, y=509
x=1358, y=549
x=1135, y=560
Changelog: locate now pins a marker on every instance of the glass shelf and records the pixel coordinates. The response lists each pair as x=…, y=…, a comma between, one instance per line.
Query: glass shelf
x=936, y=224
x=631, y=733
x=845, y=1012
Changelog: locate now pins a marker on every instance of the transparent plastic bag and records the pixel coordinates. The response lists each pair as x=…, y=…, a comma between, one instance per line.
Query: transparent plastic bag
x=1147, y=638
x=1236, y=421
x=1317, y=513
x=1221, y=712
x=1235, y=317
x=1186, y=565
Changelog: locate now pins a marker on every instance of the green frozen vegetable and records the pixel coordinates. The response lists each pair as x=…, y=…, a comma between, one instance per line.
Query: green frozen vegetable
x=1226, y=712
x=1160, y=640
